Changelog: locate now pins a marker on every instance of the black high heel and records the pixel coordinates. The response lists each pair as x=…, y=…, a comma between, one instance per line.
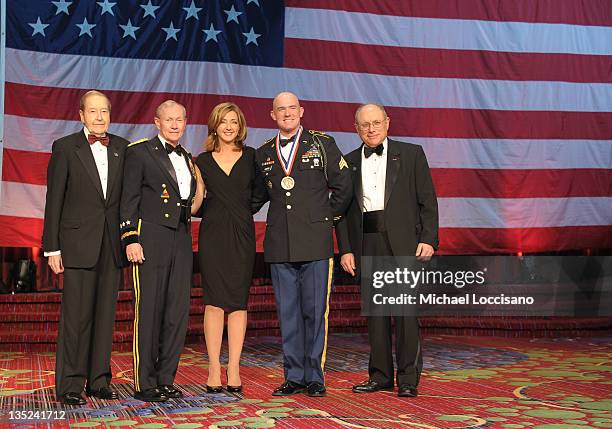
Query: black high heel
x=214, y=389
x=232, y=389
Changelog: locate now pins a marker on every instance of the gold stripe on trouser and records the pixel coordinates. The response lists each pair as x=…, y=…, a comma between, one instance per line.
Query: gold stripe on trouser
x=136, y=355
x=329, y=285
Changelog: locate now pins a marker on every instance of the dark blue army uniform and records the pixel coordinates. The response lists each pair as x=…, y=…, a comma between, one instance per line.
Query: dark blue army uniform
x=299, y=245
x=154, y=215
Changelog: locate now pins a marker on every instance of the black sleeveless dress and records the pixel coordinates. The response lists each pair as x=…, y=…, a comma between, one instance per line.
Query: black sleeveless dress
x=227, y=231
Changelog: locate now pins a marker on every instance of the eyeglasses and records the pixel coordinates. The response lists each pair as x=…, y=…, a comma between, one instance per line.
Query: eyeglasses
x=365, y=126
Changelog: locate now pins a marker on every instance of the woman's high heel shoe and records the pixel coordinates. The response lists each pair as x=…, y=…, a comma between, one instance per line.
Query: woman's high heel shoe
x=214, y=389
x=232, y=389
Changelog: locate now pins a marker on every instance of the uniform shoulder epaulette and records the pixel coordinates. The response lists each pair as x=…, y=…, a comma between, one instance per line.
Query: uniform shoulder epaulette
x=270, y=140
x=137, y=142
x=318, y=133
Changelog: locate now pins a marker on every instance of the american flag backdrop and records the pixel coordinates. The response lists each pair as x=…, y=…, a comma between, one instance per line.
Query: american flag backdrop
x=511, y=99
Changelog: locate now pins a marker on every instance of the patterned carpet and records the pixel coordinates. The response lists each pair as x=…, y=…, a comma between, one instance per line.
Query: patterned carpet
x=468, y=382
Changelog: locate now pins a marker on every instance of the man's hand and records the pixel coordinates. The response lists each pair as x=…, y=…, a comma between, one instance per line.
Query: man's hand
x=348, y=263
x=135, y=253
x=424, y=252
x=56, y=264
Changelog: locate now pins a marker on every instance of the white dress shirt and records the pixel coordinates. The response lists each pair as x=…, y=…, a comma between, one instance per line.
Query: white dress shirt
x=286, y=150
x=100, y=154
x=373, y=175
x=181, y=168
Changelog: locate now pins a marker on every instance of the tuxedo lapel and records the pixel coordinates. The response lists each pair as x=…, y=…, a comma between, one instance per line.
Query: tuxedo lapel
x=114, y=161
x=393, y=166
x=158, y=151
x=84, y=154
x=358, y=185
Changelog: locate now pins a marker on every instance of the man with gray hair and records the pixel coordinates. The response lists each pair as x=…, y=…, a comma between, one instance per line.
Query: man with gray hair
x=158, y=193
x=81, y=240
x=394, y=213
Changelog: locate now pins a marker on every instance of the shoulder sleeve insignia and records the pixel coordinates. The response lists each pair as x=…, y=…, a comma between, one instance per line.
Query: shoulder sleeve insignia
x=342, y=164
x=137, y=142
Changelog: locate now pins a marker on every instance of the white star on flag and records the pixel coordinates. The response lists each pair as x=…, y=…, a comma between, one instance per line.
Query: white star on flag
x=39, y=27
x=232, y=15
x=85, y=27
x=251, y=37
x=106, y=7
x=171, y=31
x=149, y=9
x=211, y=33
x=129, y=30
x=62, y=6
x=192, y=11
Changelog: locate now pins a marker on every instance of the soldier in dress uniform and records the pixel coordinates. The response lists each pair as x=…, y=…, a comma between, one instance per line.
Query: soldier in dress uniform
x=309, y=186
x=159, y=193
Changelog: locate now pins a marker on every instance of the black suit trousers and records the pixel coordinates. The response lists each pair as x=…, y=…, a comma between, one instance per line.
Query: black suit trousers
x=85, y=337
x=407, y=338
x=162, y=288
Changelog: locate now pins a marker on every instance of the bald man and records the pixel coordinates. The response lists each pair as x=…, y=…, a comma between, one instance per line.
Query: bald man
x=81, y=240
x=309, y=185
x=156, y=203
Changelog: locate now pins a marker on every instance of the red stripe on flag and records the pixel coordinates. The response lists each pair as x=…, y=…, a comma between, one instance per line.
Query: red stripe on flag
x=31, y=168
x=458, y=241
x=20, y=231
x=585, y=12
x=138, y=108
x=445, y=63
x=488, y=183
x=24, y=166
x=27, y=232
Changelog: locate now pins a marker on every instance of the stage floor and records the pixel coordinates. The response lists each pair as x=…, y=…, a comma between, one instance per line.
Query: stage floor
x=468, y=382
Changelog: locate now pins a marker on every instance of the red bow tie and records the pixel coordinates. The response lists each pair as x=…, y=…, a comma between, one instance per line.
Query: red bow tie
x=103, y=140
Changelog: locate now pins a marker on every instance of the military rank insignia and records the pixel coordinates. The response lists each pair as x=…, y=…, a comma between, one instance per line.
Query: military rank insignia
x=342, y=164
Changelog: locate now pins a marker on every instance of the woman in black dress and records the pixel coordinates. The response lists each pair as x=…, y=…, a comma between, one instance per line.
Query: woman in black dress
x=227, y=238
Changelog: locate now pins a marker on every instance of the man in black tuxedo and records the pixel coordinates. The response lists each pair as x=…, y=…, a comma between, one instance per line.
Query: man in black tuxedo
x=81, y=240
x=158, y=192
x=394, y=212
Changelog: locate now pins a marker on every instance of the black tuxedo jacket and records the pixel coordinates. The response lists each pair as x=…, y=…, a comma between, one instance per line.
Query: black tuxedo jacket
x=300, y=221
x=411, y=207
x=150, y=190
x=76, y=211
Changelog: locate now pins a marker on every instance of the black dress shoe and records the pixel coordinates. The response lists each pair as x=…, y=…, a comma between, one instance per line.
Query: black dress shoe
x=234, y=389
x=316, y=390
x=214, y=389
x=407, y=391
x=151, y=395
x=170, y=391
x=102, y=393
x=288, y=388
x=370, y=386
x=72, y=398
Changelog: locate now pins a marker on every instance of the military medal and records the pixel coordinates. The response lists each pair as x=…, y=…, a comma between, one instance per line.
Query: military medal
x=288, y=182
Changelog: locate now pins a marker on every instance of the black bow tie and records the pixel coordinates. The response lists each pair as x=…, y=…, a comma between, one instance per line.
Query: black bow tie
x=285, y=142
x=178, y=149
x=368, y=151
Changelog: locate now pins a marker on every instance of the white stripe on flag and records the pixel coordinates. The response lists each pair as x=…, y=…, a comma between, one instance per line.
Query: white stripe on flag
x=25, y=200
x=436, y=33
x=36, y=135
x=70, y=71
